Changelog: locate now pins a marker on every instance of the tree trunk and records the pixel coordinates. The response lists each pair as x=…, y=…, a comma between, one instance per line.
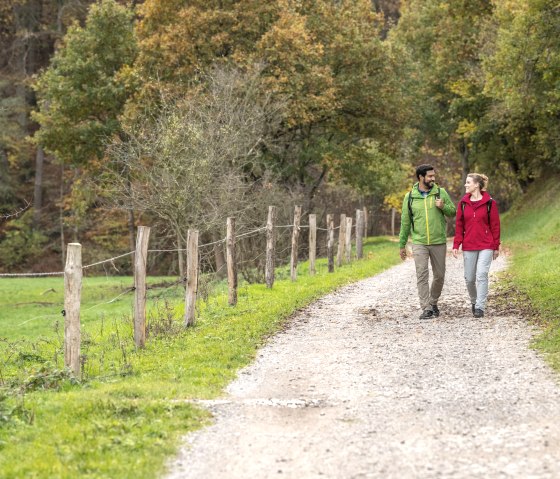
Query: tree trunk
x=131, y=230
x=180, y=257
x=219, y=258
x=464, y=159
x=38, y=192
x=61, y=217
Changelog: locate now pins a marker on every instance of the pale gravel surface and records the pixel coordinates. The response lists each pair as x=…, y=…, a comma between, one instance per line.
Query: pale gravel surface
x=357, y=386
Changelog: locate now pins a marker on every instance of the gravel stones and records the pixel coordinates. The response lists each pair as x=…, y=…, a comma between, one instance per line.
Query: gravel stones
x=357, y=386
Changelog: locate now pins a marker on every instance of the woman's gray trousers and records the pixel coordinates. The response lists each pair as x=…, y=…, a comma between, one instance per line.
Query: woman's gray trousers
x=477, y=265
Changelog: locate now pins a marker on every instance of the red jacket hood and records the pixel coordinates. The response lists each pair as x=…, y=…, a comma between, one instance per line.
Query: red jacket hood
x=485, y=199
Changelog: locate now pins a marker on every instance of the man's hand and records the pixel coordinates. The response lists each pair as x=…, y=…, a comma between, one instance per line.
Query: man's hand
x=455, y=253
x=439, y=203
x=403, y=253
x=496, y=254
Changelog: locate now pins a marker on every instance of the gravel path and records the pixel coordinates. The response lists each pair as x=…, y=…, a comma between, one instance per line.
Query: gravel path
x=359, y=387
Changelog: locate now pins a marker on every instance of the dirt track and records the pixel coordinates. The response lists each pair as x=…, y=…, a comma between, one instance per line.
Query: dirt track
x=359, y=387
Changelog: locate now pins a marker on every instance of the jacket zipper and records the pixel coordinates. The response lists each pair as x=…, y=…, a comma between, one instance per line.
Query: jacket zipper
x=427, y=221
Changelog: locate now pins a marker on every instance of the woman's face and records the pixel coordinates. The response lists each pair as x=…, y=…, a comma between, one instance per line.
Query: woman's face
x=471, y=186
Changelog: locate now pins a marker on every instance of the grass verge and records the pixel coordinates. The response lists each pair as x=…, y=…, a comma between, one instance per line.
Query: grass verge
x=532, y=232
x=125, y=422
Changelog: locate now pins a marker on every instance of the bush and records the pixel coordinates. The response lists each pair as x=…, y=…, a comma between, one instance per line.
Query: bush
x=20, y=243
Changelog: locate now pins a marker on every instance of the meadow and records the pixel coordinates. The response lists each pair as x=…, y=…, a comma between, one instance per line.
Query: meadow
x=531, y=231
x=124, y=417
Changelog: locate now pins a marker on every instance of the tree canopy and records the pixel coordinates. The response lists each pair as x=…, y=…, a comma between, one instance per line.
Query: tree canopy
x=360, y=91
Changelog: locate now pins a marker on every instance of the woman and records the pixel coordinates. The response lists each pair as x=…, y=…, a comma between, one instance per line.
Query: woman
x=477, y=228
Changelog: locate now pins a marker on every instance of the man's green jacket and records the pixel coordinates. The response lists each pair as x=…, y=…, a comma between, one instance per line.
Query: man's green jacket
x=429, y=221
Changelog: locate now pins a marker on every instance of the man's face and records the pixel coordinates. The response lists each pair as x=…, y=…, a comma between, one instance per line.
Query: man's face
x=429, y=180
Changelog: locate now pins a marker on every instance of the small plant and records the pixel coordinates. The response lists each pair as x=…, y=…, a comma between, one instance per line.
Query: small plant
x=163, y=321
x=47, y=377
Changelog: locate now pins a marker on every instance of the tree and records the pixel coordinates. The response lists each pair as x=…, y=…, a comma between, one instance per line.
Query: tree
x=188, y=165
x=82, y=94
x=83, y=91
x=28, y=33
x=522, y=74
x=444, y=41
x=325, y=58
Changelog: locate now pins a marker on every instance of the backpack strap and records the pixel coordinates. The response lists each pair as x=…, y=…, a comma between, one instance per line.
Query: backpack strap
x=410, y=209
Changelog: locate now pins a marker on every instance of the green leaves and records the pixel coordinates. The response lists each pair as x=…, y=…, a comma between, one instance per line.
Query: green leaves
x=81, y=94
x=523, y=77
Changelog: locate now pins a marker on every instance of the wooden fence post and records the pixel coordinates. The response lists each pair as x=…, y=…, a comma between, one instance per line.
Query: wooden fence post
x=270, y=246
x=72, y=297
x=365, y=221
x=330, y=242
x=312, y=243
x=348, y=239
x=359, y=234
x=231, y=264
x=192, y=277
x=295, y=237
x=393, y=216
x=140, y=261
x=341, y=240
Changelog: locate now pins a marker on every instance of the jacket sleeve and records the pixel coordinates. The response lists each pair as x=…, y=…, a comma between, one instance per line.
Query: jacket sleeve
x=459, y=227
x=495, y=224
x=448, y=206
x=405, y=223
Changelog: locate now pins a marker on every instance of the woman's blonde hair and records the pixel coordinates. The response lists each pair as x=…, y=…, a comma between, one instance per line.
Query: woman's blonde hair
x=480, y=179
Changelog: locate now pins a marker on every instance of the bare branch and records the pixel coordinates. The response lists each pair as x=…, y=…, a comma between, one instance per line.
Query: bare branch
x=16, y=213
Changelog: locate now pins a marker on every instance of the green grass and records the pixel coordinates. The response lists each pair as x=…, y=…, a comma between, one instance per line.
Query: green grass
x=31, y=307
x=126, y=417
x=532, y=231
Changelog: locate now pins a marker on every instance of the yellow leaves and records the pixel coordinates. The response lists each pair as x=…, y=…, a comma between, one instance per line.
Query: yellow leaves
x=395, y=200
x=463, y=88
x=296, y=68
x=466, y=128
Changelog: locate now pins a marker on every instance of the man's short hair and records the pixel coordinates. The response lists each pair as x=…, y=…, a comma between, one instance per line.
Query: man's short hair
x=422, y=170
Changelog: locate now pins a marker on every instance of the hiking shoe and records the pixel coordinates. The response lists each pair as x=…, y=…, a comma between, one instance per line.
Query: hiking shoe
x=427, y=314
x=472, y=308
x=478, y=313
x=435, y=310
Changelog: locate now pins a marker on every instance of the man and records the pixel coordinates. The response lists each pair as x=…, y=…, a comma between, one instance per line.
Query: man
x=423, y=214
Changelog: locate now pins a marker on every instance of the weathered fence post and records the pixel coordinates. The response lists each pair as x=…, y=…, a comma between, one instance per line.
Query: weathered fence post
x=341, y=240
x=192, y=277
x=72, y=296
x=295, y=237
x=312, y=243
x=348, y=239
x=365, y=221
x=270, y=246
x=231, y=264
x=330, y=242
x=140, y=261
x=359, y=234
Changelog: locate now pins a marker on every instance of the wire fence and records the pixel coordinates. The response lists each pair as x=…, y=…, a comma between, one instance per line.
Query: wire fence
x=257, y=255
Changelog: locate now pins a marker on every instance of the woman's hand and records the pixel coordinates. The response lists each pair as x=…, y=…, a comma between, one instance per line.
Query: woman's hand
x=496, y=254
x=455, y=253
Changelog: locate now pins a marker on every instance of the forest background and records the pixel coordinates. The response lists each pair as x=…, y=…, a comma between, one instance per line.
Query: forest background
x=178, y=114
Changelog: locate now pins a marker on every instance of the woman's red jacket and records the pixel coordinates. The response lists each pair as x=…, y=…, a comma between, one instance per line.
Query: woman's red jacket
x=472, y=228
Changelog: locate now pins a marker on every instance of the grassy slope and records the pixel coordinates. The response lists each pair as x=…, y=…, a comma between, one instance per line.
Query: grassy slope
x=126, y=426
x=532, y=230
